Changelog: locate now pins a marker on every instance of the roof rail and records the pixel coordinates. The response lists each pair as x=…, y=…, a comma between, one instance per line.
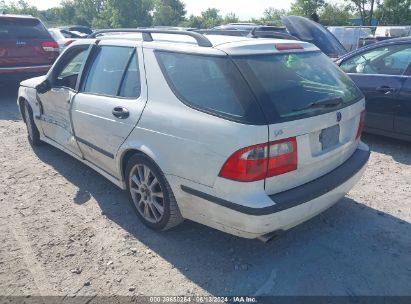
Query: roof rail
x=201, y=40
x=255, y=33
x=240, y=33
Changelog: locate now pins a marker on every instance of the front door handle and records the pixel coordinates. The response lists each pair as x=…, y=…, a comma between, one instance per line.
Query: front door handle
x=386, y=90
x=121, y=112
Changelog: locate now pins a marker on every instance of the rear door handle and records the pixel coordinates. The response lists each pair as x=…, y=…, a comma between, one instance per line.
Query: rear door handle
x=386, y=90
x=120, y=112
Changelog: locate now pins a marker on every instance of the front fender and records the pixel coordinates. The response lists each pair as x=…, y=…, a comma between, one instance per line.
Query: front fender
x=29, y=94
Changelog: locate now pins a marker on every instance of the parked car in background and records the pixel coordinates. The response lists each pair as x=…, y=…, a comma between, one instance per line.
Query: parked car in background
x=382, y=33
x=26, y=48
x=78, y=28
x=247, y=136
x=383, y=72
x=64, y=37
x=351, y=37
x=295, y=28
x=237, y=26
x=392, y=31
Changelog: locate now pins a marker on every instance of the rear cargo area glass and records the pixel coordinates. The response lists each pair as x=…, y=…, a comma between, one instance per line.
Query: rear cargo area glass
x=20, y=28
x=297, y=85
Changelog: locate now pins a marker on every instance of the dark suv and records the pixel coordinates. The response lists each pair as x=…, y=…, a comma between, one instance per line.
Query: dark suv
x=26, y=48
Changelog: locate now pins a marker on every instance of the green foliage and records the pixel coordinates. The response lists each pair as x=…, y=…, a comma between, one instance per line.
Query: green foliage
x=394, y=12
x=211, y=18
x=168, y=12
x=95, y=13
x=364, y=8
x=306, y=7
x=335, y=14
x=21, y=7
x=122, y=13
x=67, y=12
x=208, y=19
x=273, y=16
x=143, y=13
x=231, y=18
x=2, y=6
x=193, y=21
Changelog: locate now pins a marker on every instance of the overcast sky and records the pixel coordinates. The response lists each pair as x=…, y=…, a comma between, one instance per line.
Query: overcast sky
x=246, y=9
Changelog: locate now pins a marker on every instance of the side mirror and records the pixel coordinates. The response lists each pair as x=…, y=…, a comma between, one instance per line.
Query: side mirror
x=43, y=87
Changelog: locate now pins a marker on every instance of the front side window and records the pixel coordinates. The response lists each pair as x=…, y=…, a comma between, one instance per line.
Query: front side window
x=297, y=85
x=386, y=60
x=69, y=71
x=112, y=67
x=210, y=84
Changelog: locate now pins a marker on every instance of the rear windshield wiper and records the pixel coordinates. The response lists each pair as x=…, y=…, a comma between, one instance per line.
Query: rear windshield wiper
x=325, y=103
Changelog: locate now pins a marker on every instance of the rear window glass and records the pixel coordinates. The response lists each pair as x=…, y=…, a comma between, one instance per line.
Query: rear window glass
x=16, y=28
x=211, y=84
x=298, y=85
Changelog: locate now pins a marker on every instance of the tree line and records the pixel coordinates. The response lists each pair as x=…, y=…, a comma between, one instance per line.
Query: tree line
x=144, y=13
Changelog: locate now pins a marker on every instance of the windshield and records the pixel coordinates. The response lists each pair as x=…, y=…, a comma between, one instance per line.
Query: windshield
x=297, y=85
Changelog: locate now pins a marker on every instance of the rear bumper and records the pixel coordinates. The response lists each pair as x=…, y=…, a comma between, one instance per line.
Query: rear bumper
x=289, y=208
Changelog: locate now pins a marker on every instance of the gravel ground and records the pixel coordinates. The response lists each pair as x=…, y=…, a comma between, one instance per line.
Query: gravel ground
x=65, y=230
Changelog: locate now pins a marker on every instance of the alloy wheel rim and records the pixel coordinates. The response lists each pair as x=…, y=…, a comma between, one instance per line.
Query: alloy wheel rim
x=146, y=192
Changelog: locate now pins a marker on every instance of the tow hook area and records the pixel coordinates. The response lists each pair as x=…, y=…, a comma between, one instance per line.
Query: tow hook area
x=270, y=236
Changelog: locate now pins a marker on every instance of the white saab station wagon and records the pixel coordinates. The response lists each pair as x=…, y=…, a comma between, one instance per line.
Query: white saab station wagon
x=249, y=136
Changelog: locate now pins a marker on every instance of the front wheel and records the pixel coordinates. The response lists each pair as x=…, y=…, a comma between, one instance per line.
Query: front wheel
x=150, y=194
x=33, y=132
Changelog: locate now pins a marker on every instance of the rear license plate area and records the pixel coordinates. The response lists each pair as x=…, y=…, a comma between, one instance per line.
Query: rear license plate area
x=330, y=137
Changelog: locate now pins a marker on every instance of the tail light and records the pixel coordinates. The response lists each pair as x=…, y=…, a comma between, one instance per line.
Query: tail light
x=261, y=161
x=361, y=125
x=50, y=46
x=68, y=42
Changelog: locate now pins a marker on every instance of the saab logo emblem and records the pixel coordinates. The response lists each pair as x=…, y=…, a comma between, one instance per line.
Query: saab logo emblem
x=278, y=133
x=339, y=116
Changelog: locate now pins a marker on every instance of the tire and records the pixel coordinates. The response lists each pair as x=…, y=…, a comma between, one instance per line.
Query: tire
x=150, y=193
x=33, y=132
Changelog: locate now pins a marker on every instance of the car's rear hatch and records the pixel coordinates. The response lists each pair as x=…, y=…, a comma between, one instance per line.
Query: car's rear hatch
x=25, y=42
x=313, y=111
x=310, y=31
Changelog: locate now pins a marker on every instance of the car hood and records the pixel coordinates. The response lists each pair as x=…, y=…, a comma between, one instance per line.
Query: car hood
x=33, y=82
x=313, y=32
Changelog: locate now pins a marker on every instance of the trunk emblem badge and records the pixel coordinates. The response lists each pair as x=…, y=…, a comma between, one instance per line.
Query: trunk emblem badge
x=339, y=116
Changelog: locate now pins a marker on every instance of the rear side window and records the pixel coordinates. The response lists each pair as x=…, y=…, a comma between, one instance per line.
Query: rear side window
x=114, y=73
x=210, y=84
x=298, y=85
x=19, y=28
